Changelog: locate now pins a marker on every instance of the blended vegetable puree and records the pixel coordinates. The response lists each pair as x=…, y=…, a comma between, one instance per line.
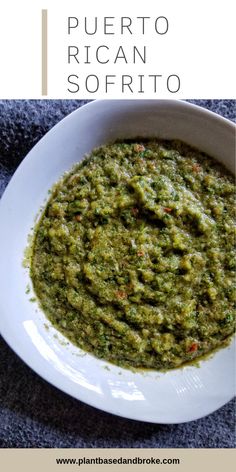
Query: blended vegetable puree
x=133, y=258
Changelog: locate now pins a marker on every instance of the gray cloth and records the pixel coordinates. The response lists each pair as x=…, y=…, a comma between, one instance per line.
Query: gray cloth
x=34, y=413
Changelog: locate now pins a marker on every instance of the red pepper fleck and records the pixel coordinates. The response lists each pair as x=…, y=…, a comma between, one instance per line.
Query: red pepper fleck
x=140, y=253
x=167, y=210
x=196, y=167
x=193, y=347
x=135, y=211
x=120, y=294
x=139, y=148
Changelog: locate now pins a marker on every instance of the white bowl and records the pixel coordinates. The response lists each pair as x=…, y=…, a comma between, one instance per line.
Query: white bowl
x=172, y=397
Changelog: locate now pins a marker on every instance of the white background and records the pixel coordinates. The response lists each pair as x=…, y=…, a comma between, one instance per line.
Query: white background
x=199, y=47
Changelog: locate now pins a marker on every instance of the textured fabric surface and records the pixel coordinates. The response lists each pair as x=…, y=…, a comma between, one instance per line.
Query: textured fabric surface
x=34, y=413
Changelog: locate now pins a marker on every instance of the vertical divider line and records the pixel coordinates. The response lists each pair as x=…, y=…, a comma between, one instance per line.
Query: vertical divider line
x=44, y=52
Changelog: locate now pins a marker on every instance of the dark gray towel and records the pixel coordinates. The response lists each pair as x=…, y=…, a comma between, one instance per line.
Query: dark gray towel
x=32, y=412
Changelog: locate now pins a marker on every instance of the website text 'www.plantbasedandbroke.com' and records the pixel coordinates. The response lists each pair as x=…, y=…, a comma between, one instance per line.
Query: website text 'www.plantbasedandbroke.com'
x=117, y=460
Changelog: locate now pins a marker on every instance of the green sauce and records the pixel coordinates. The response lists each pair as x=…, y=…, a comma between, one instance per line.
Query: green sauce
x=133, y=257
